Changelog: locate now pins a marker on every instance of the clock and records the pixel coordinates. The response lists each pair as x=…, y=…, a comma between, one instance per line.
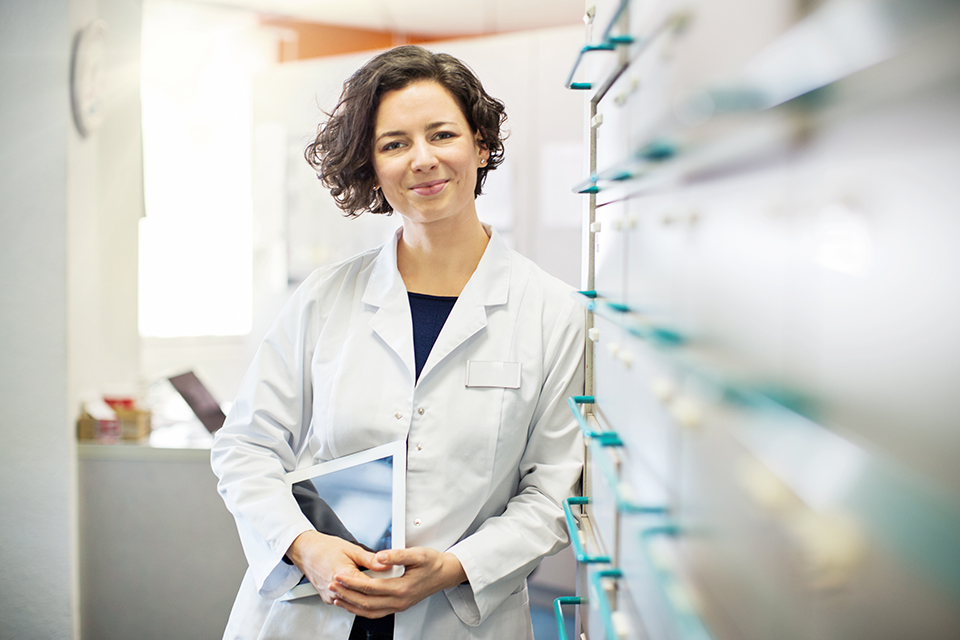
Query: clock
x=87, y=77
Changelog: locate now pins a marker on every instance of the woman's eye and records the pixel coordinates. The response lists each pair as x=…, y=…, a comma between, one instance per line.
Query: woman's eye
x=390, y=146
x=444, y=135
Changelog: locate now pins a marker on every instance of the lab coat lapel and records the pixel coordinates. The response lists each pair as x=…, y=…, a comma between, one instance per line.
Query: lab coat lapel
x=488, y=286
x=386, y=291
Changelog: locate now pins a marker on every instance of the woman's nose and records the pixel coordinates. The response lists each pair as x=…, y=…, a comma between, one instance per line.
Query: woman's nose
x=424, y=158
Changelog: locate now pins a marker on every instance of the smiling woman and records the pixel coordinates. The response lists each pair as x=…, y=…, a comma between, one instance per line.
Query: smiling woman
x=341, y=153
x=377, y=349
x=425, y=155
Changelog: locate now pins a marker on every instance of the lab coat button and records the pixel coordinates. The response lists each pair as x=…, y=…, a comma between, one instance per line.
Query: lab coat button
x=420, y=410
x=419, y=447
x=398, y=415
x=417, y=522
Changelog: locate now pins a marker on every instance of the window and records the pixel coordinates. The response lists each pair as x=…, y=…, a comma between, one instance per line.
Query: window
x=195, y=241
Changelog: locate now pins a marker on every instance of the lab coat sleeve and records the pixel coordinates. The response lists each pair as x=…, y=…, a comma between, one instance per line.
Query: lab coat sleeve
x=259, y=441
x=499, y=556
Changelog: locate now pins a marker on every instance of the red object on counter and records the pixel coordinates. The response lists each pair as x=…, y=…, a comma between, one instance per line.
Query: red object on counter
x=121, y=402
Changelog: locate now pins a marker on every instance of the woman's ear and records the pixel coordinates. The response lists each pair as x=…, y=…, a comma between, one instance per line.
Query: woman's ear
x=484, y=156
x=484, y=153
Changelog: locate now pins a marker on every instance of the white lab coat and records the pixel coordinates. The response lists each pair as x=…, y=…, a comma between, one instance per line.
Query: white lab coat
x=487, y=468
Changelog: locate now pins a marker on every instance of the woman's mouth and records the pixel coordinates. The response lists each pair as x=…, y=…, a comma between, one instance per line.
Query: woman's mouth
x=429, y=188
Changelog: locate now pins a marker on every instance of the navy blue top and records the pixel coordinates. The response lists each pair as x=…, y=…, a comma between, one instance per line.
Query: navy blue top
x=429, y=313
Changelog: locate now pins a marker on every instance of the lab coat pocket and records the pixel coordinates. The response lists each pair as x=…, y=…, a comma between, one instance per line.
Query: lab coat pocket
x=512, y=616
x=504, y=375
x=305, y=618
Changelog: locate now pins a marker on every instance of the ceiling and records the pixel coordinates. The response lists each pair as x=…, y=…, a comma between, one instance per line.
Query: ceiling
x=423, y=17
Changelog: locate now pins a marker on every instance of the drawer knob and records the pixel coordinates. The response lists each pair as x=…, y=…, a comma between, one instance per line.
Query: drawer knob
x=686, y=412
x=663, y=389
x=832, y=545
x=762, y=485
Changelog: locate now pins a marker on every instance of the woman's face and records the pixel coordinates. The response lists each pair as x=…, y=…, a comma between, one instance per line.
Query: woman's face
x=424, y=154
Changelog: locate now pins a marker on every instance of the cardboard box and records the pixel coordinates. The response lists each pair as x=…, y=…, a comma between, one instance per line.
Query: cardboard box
x=98, y=430
x=134, y=423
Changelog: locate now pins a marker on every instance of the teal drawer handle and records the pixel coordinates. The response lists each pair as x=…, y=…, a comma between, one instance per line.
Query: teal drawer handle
x=558, y=612
x=578, y=551
x=688, y=623
x=606, y=437
x=630, y=319
x=607, y=43
x=624, y=504
x=606, y=614
x=585, y=86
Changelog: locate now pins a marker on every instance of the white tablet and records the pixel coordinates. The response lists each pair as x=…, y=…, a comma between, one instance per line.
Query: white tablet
x=358, y=497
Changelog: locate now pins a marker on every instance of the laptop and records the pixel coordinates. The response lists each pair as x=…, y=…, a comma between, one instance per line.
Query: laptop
x=200, y=400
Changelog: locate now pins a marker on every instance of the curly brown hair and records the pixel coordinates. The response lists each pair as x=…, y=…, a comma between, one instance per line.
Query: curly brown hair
x=342, y=153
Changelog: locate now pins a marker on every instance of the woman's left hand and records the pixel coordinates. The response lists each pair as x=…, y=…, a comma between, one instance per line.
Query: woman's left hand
x=426, y=571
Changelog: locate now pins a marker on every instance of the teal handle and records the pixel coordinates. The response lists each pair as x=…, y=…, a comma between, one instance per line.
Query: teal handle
x=688, y=624
x=607, y=43
x=624, y=504
x=578, y=551
x=558, y=612
x=616, y=16
x=629, y=319
x=606, y=614
x=606, y=437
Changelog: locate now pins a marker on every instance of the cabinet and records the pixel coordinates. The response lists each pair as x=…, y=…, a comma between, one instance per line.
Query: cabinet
x=771, y=409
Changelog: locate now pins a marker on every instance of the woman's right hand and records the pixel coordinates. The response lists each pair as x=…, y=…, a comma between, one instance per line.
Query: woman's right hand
x=321, y=557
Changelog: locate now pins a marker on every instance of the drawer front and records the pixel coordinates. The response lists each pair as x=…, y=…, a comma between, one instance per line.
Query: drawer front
x=741, y=556
x=792, y=531
x=613, y=403
x=649, y=431
x=602, y=509
x=611, y=243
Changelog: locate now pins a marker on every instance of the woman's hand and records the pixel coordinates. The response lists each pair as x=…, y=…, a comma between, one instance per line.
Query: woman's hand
x=322, y=557
x=426, y=571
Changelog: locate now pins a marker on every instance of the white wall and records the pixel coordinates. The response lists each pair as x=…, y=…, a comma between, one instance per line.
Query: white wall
x=37, y=457
x=105, y=203
x=68, y=211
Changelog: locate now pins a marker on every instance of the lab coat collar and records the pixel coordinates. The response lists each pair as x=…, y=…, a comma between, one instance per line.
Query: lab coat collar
x=488, y=286
x=386, y=291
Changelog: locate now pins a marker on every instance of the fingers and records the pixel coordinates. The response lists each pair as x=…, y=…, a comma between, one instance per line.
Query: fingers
x=363, y=558
x=424, y=574
x=360, y=611
x=405, y=557
x=361, y=583
x=324, y=558
x=369, y=599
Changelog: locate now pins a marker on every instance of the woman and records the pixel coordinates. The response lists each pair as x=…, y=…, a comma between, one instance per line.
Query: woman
x=443, y=337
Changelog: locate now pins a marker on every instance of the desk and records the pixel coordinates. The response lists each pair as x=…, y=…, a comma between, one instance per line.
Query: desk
x=159, y=552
